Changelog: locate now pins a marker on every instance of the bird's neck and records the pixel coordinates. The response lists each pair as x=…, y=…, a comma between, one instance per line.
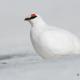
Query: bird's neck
x=38, y=26
x=37, y=22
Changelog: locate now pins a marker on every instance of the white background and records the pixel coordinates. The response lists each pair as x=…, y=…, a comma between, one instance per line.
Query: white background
x=14, y=32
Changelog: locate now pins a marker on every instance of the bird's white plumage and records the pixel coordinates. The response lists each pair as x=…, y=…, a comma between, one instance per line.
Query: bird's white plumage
x=49, y=41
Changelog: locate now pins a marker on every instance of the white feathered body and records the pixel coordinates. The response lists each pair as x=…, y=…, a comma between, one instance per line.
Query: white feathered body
x=53, y=41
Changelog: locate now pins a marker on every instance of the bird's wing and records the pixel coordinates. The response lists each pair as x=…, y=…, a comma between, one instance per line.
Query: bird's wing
x=56, y=40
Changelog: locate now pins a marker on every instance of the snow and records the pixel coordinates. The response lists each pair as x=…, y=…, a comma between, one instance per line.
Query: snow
x=34, y=68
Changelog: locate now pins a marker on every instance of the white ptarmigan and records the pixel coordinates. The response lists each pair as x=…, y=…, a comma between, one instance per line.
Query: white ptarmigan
x=50, y=41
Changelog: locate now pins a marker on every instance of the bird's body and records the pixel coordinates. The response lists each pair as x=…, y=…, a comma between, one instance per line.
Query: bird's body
x=50, y=41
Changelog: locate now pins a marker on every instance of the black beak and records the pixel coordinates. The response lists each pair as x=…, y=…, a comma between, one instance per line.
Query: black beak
x=29, y=18
x=26, y=19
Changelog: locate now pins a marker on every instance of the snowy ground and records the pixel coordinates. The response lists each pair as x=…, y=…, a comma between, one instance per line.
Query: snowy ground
x=32, y=67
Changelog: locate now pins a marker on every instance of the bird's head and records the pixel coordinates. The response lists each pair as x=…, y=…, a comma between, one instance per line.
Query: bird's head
x=33, y=16
x=34, y=19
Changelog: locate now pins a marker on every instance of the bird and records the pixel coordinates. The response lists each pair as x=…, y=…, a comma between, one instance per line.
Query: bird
x=50, y=41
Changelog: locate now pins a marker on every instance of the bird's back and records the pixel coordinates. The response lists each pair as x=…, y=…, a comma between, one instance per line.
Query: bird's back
x=52, y=41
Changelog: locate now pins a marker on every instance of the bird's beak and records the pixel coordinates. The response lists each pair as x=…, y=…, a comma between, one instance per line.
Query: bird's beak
x=26, y=19
x=29, y=18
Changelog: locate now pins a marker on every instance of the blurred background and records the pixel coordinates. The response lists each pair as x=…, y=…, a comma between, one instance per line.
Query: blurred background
x=14, y=32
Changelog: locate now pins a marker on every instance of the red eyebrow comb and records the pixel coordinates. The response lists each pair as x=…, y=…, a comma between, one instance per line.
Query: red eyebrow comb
x=33, y=14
